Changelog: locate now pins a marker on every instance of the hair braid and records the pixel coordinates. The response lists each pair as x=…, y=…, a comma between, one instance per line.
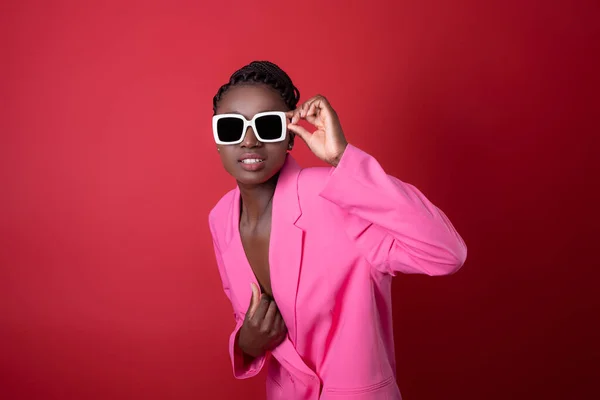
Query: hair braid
x=262, y=72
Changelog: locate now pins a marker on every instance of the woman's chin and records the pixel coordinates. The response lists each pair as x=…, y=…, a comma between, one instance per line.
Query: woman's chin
x=254, y=177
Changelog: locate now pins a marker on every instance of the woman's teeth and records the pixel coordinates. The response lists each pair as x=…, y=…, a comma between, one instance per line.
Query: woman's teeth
x=251, y=160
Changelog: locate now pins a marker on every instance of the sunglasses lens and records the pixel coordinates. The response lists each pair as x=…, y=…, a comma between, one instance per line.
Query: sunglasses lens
x=269, y=127
x=230, y=129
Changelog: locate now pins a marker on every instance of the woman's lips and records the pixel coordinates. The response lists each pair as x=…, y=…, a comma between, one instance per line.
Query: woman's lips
x=252, y=161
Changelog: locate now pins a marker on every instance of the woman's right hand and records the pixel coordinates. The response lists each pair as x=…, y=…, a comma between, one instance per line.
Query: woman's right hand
x=263, y=328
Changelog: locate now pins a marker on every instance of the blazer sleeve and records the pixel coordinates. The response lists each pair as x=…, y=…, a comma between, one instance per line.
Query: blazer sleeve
x=241, y=370
x=392, y=223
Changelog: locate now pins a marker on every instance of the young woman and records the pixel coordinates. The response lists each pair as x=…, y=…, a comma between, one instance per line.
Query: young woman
x=306, y=256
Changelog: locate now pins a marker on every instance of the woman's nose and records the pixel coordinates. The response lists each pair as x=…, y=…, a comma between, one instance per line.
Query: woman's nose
x=250, y=140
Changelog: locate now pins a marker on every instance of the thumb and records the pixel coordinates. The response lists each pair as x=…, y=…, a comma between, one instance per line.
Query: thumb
x=300, y=131
x=254, y=300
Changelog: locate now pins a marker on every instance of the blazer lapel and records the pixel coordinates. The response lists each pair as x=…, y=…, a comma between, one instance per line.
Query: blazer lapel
x=238, y=268
x=285, y=247
x=285, y=259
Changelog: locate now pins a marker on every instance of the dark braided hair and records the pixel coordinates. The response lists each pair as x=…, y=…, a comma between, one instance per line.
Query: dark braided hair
x=262, y=72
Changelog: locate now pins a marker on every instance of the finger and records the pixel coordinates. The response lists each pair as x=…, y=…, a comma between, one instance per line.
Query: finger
x=300, y=131
x=274, y=342
x=322, y=101
x=277, y=338
x=283, y=335
x=278, y=325
x=314, y=112
x=254, y=300
x=280, y=337
x=306, y=106
x=293, y=115
x=282, y=326
x=267, y=324
x=297, y=117
x=319, y=100
x=263, y=306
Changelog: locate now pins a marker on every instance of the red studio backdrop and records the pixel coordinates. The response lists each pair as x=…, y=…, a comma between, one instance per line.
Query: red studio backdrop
x=108, y=282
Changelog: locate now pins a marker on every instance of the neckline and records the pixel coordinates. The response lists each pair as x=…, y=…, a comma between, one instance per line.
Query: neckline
x=237, y=211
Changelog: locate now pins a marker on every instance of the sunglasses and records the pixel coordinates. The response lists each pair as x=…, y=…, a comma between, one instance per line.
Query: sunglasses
x=268, y=127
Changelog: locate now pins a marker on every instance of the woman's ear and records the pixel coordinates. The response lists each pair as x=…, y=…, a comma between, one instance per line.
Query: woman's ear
x=291, y=142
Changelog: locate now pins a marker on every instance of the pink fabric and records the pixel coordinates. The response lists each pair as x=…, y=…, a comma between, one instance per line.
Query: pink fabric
x=338, y=236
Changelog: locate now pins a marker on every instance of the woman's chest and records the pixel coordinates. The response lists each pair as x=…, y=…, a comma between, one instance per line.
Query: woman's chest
x=256, y=249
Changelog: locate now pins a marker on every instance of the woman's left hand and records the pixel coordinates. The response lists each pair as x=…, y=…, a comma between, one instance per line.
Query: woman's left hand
x=328, y=141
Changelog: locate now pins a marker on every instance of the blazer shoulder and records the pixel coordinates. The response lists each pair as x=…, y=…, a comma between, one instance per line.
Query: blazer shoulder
x=312, y=180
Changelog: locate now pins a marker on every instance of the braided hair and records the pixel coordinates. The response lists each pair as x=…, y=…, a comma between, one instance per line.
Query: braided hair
x=262, y=72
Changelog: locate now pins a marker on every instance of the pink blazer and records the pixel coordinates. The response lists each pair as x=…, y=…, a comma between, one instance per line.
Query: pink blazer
x=338, y=236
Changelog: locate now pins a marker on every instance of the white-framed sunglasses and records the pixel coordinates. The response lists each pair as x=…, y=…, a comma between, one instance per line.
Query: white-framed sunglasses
x=268, y=127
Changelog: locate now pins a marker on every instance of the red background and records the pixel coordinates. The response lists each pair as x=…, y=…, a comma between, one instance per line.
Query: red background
x=108, y=284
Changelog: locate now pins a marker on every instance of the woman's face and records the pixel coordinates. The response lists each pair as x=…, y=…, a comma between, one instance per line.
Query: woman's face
x=248, y=100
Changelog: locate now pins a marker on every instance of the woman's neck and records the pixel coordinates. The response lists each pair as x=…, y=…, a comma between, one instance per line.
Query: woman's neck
x=256, y=201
